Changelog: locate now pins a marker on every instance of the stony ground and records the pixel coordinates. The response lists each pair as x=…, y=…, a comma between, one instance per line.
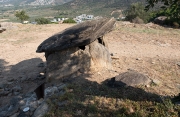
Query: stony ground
x=148, y=49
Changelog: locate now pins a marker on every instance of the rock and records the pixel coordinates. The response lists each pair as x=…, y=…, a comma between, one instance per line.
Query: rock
x=29, y=94
x=130, y=78
x=41, y=110
x=50, y=91
x=78, y=35
x=16, y=93
x=22, y=102
x=131, y=110
x=14, y=106
x=23, y=78
x=178, y=103
x=155, y=81
x=41, y=65
x=4, y=93
x=41, y=76
x=3, y=114
x=61, y=87
x=1, y=90
x=4, y=108
x=9, y=83
x=10, y=79
x=33, y=97
x=178, y=86
x=178, y=64
x=33, y=105
x=148, y=86
x=7, y=89
x=14, y=115
x=138, y=59
x=153, y=62
x=95, y=55
x=137, y=20
x=26, y=109
x=176, y=24
x=160, y=20
x=114, y=57
x=16, y=89
x=10, y=94
x=40, y=101
x=2, y=86
x=23, y=114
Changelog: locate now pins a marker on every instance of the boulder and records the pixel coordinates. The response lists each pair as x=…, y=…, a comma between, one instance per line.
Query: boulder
x=137, y=20
x=69, y=61
x=41, y=110
x=160, y=20
x=130, y=78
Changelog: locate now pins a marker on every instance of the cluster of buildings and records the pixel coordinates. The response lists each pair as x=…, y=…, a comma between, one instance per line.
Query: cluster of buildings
x=77, y=19
x=83, y=17
x=58, y=20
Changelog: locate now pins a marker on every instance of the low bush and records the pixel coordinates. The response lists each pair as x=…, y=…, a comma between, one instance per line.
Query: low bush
x=137, y=10
x=42, y=21
x=137, y=20
x=70, y=20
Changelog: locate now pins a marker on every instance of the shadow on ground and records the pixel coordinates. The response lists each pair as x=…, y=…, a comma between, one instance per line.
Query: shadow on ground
x=85, y=98
x=23, y=74
x=108, y=90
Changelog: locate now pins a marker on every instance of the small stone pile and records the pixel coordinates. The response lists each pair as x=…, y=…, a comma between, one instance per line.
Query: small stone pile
x=6, y=91
x=28, y=105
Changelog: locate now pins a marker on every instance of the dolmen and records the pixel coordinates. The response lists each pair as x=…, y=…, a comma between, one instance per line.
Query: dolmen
x=78, y=48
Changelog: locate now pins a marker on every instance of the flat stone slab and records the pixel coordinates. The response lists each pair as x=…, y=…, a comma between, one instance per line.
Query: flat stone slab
x=131, y=78
x=78, y=35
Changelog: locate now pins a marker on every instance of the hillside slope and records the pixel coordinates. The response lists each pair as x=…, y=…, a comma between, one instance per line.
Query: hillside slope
x=33, y=2
x=96, y=7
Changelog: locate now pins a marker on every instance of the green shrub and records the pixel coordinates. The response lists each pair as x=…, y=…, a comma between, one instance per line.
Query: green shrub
x=42, y=21
x=170, y=9
x=21, y=15
x=70, y=20
x=137, y=20
x=137, y=10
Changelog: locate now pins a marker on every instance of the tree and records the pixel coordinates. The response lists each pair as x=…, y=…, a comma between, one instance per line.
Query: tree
x=21, y=15
x=42, y=21
x=136, y=10
x=170, y=7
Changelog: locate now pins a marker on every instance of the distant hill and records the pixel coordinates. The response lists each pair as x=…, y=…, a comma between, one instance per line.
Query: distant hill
x=96, y=7
x=33, y=2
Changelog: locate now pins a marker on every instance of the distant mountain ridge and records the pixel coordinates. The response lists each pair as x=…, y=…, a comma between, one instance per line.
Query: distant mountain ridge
x=33, y=2
x=105, y=8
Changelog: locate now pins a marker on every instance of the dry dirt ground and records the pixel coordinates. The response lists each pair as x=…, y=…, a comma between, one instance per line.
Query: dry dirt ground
x=149, y=49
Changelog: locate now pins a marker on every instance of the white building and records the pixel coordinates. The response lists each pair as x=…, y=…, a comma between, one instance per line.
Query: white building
x=83, y=17
x=90, y=17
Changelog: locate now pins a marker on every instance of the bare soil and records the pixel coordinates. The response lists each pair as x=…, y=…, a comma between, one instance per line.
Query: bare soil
x=147, y=48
